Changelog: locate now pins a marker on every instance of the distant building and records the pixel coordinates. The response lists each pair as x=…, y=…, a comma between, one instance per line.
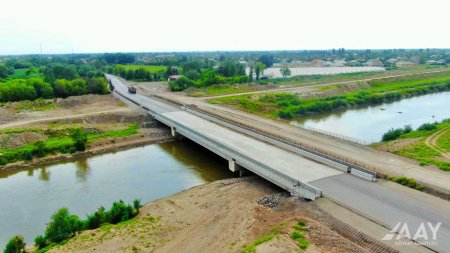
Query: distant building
x=374, y=63
x=174, y=77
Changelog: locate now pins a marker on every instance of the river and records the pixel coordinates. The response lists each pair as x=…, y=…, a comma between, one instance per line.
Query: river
x=151, y=172
x=368, y=124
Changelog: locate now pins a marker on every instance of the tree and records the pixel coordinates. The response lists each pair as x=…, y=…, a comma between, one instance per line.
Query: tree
x=79, y=138
x=43, y=89
x=62, y=226
x=259, y=69
x=267, y=60
x=250, y=74
x=15, y=245
x=3, y=72
x=39, y=149
x=285, y=71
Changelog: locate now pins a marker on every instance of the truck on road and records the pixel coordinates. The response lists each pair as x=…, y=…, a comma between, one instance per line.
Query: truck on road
x=131, y=90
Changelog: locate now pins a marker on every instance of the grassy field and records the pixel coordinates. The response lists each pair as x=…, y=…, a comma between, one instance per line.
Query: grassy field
x=53, y=140
x=428, y=146
x=27, y=105
x=22, y=73
x=289, y=105
x=152, y=69
x=306, y=80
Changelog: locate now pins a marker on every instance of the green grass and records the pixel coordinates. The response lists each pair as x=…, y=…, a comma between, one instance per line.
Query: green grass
x=300, y=236
x=152, y=69
x=410, y=182
x=59, y=141
x=250, y=248
x=220, y=90
x=22, y=73
x=421, y=152
x=39, y=104
x=288, y=105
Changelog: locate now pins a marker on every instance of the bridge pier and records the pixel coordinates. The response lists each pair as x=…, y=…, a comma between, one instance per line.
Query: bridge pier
x=233, y=166
x=173, y=131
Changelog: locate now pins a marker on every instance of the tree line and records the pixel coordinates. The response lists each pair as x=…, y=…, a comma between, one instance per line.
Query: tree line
x=33, y=88
x=59, y=80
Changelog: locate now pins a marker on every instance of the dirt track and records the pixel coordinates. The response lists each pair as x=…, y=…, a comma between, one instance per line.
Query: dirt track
x=430, y=141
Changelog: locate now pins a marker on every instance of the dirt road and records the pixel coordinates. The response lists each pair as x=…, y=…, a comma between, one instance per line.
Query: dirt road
x=431, y=140
x=319, y=84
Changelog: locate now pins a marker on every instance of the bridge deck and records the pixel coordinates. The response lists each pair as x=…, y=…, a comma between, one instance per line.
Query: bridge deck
x=284, y=161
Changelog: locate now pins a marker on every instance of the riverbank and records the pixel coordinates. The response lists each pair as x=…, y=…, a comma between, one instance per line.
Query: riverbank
x=429, y=145
x=217, y=217
x=101, y=147
x=29, y=142
x=337, y=97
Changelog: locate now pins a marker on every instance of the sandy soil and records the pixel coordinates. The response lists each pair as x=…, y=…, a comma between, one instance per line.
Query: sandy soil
x=216, y=217
x=78, y=106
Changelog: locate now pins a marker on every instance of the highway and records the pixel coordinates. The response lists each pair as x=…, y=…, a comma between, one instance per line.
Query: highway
x=384, y=202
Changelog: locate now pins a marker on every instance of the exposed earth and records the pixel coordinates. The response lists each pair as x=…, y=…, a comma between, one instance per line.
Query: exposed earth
x=218, y=217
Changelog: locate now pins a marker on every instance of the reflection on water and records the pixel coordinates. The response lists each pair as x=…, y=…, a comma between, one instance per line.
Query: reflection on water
x=29, y=197
x=370, y=123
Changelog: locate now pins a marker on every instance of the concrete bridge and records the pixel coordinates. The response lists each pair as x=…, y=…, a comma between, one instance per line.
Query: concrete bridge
x=301, y=172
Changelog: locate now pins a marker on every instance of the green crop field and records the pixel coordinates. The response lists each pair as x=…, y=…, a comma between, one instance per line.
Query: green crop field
x=152, y=69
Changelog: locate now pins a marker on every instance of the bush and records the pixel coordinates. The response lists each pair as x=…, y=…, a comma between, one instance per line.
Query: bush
x=79, y=138
x=62, y=226
x=428, y=126
x=97, y=219
x=296, y=235
x=392, y=134
x=40, y=241
x=39, y=149
x=285, y=114
x=15, y=245
x=120, y=212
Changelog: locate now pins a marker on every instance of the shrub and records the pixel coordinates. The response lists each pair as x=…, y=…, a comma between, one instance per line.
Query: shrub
x=97, y=219
x=137, y=205
x=39, y=149
x=79, y=138
x=285, y=114
x=40, y=241
x=120, y=212
x=392, y=134
x=62, y=226
x=427, y=126
x=296, y=235
x=15, y=245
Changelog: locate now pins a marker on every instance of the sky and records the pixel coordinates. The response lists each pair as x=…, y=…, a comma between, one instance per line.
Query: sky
x=85, y=26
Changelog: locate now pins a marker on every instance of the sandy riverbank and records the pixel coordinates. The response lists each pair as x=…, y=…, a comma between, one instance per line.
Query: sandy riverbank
x=218, y=217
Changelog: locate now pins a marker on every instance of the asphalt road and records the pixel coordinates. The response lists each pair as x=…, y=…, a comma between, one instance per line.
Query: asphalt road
x=383, y=202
